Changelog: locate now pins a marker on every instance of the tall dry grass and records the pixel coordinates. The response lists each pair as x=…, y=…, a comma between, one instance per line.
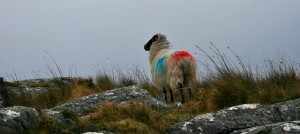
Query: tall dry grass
x=234, y=81
x=117, y=76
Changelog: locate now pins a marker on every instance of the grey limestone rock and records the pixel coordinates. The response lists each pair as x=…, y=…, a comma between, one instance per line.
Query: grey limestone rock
x=25, y=88
x=18, y=119
x=120, y=95
x=1, y=92
x=240, y=117
x=29, y=87
x=290, y=127
x=102, y=132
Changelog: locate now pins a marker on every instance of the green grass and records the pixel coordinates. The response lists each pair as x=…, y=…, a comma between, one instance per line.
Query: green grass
x=225, y=81
x=39, y=84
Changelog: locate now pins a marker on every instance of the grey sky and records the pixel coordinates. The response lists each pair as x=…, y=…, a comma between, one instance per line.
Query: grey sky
x=101, y=32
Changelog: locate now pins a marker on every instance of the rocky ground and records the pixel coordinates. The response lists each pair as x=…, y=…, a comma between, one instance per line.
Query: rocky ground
x=121, y=96
x=281, y=117
x=278, y=118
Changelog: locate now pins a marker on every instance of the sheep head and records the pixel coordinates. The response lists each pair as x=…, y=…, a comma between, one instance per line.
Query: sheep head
x=155, y=38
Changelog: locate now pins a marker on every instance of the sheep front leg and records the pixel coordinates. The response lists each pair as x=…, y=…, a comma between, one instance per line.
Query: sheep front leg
x=165, y=93
x=180, y=87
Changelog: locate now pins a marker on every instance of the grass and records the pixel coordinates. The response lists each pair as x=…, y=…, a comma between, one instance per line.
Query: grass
x=281, y=82
x=225, y=81
x=39, y=84
x=118, y=77
x=11, y=84
x=234, y=81
x=132, y=118
x=56, y=93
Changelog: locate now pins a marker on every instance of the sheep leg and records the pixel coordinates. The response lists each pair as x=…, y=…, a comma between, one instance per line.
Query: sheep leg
x=180, y=87
x=171, y=93
x=165, y=93
x=190, y=93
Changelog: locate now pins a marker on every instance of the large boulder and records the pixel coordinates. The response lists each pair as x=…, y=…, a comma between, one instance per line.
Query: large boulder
x=242, y=117
x=120, y=95
x=18, y=119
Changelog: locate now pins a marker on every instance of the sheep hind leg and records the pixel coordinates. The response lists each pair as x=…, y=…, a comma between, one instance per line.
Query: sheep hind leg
x=180, y=87
x=171, y=94
x=165, y=93
x=190, y=93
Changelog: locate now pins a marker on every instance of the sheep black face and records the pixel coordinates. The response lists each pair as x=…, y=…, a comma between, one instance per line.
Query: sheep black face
x=149, y=43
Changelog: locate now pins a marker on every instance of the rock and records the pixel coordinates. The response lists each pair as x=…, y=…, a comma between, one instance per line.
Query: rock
x=1, y=92
x=40, y=85
x=102, y=132
x=241, y=117
x=18, y=119
x=121, y=96
x=64, y=80
x=18, y=91
x=10, y=90
x=2, y=103
x=8, y=93
x=290, y=127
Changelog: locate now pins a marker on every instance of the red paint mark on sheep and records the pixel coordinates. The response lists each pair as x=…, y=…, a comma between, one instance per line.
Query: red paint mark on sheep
x=179, y=55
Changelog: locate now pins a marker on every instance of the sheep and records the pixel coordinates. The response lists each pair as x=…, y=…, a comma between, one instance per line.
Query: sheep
x=170, y=69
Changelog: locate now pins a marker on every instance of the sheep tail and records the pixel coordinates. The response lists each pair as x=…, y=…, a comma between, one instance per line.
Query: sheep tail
x=187, y=63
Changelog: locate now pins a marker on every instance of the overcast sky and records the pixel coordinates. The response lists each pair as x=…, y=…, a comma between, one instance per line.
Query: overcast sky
x=89, y=33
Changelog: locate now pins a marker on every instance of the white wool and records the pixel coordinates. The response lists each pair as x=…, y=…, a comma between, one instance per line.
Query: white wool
x=183, y=72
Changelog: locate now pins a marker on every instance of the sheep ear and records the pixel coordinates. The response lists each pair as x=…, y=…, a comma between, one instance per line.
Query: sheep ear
x=149, y=43
x=155, y=37
x=158, y=36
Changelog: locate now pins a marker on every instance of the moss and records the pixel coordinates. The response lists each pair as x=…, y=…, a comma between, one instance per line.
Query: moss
x=11, y=84
x=39, y=84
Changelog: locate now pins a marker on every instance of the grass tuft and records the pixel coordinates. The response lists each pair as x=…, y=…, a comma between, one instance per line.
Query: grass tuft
x=118, y=77
x=233, y=81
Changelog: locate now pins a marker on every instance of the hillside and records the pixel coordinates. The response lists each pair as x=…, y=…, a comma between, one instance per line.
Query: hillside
x=130, y=109
x=122, y=100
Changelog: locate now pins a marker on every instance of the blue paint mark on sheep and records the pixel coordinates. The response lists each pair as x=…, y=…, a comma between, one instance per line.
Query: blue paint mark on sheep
x=160, y=67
